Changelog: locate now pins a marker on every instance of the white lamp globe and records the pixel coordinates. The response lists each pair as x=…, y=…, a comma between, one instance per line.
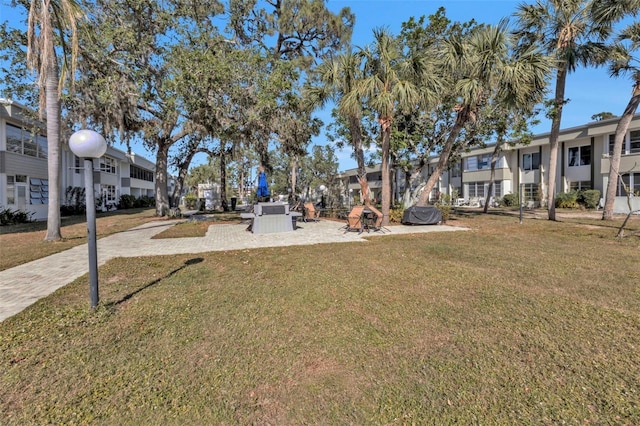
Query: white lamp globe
x=87, y=144
x=322, y=188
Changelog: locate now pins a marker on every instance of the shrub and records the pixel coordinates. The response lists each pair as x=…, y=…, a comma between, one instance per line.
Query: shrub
x=74, y=201
x=510, y=200
x=145, y=201
x=126, y=201
x=6, y=216
x=589, y=198
x=190, y=201
x=12, y=217
x=395, y=215
x=68, y=210
x=567, y=200
x=445, y=211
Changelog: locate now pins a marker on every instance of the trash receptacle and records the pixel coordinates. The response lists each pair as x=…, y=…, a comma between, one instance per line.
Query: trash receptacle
x=234, y=201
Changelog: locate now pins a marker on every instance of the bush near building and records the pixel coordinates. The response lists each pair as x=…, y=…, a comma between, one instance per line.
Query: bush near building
x=13, y=217
x=586, y=199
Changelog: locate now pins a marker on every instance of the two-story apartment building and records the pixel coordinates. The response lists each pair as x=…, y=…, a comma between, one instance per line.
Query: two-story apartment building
x=583, y=163
x=24, y=183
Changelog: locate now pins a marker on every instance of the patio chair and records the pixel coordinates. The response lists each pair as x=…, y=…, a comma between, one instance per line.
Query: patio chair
x=377, y=223
x=310, y=213
x=354, y=219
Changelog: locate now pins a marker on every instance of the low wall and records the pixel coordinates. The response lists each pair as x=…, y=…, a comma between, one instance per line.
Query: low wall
x=621, y=205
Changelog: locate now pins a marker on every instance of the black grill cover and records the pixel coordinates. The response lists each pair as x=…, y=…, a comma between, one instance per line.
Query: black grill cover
x=415, y=215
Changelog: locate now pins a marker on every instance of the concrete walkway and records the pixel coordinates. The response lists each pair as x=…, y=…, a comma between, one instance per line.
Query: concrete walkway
x=25, y=284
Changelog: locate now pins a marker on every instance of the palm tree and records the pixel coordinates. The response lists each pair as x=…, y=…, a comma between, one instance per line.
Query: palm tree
x=566, y=31
x=46, y=17
x=338, y=77
x=621, y=61
x=485, y=72
x=390, y=84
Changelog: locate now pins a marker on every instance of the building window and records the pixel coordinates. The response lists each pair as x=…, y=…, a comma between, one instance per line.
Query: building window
x=476, y=189
x=478, y=162
x=531, y=161
x=43, y=148
x=632, y=181
x=472, y=163
x=38, y=191
x=484, y=161
x=14, y=139
x=456, y=169
x=634, y=141
x=580, y=186
x=529, y=191
x=136, y=172
x=16, y=193
x=612, y=141
x=11, y=189
x=580, y=156
x=22, y=142
x=30, y=148
x=109, y=193
x=497, y=189
x=107, y=165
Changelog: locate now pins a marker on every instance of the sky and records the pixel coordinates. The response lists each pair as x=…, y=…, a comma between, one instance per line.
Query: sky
x=590, y=91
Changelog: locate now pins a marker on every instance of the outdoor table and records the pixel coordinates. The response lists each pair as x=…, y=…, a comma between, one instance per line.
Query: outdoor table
x=368, y=219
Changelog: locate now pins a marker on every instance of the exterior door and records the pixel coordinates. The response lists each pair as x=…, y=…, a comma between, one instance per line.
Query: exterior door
x=21, y=196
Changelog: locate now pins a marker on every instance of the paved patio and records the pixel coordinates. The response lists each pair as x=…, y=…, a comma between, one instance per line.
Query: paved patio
x=25, y=284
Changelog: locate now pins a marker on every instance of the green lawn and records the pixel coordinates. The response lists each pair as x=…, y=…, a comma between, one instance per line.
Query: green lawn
x=504, y=324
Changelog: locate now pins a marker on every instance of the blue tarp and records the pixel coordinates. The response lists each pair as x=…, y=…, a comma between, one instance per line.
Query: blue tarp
x=263, y=187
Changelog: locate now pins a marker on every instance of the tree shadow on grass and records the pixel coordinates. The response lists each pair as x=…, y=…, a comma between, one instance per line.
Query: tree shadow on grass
x=575, y=218
x=189, y=262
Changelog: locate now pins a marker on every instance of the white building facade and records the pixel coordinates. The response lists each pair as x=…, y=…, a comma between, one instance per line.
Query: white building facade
x=24, y=183
x=583, y=163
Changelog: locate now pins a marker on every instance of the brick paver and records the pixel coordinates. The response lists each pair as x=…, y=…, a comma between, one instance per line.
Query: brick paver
x=25, y=284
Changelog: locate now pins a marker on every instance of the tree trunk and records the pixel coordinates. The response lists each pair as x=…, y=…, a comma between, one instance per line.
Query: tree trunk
x=53, y=146
x=182, y=175
x=356, y=138
x=621, y=131
x=177, y=190
x=244, y=179
x=294, y=177
x=492, y=178
x=553, y=141
x=386, y=181
x=461, y=119
x=223, y=180
x=410, y=197
x=406, y=197
x=162, y=197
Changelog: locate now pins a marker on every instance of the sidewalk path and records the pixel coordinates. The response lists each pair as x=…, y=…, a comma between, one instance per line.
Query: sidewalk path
x=25, y=284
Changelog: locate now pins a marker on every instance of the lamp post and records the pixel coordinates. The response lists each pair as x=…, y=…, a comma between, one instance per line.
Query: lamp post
x=322, y=188
x=521, y=200
x=88, y=144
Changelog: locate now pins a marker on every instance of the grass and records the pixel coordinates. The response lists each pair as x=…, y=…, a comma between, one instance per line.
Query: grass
x=505, y=324
x=198, y=228
x=26, y=241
